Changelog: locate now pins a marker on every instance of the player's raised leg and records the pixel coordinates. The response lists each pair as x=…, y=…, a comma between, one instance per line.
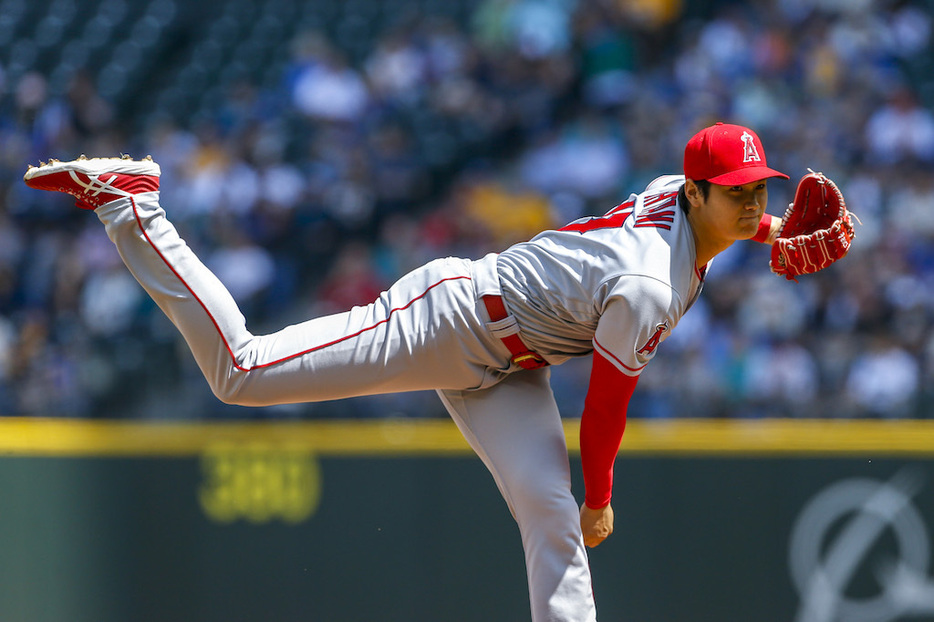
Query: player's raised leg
x=420, y=334
x=516, y=430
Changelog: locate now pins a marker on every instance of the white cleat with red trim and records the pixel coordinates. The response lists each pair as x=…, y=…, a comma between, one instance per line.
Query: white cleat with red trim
x=96, y=181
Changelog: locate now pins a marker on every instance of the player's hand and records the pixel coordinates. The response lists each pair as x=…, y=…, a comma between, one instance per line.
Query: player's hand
x=816, y=229
x=596, y=524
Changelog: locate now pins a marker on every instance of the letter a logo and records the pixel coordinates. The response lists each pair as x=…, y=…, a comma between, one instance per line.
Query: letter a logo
x=654, y=340
x=750, y=153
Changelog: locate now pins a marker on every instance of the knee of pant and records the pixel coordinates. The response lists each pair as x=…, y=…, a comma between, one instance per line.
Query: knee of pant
x=227, y=394
x=535, y=495
x=230, y=391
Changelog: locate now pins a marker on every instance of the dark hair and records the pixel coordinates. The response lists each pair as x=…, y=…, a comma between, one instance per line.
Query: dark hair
x=704, y=187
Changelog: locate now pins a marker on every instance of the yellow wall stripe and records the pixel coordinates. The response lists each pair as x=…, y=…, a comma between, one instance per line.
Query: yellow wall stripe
x=419, y=437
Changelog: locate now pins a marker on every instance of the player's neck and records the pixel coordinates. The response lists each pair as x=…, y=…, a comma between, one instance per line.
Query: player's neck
x=707, y=244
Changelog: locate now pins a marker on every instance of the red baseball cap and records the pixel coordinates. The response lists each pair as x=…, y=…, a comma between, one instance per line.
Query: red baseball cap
x=728, y=155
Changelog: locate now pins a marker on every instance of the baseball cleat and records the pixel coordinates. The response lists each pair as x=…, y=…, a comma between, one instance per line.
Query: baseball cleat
x=95, y=181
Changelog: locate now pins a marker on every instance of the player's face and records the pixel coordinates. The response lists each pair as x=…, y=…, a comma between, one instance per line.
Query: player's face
x=734, y=212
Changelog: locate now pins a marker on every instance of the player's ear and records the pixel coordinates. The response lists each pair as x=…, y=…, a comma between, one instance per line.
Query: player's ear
x=693, y=193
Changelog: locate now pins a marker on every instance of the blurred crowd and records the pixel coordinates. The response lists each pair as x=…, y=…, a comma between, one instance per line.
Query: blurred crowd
x=457, y=133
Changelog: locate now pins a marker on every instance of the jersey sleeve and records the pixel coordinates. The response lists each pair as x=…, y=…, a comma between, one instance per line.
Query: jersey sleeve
x=635, y=319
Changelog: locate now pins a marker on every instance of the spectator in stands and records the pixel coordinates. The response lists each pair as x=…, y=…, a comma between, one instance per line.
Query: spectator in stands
x=352, y=152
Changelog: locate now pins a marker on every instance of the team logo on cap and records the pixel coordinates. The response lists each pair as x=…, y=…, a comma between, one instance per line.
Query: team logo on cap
x=750, y=153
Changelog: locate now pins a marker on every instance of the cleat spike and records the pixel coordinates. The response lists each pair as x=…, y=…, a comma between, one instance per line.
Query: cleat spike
x=41, y=163
x=82, y=157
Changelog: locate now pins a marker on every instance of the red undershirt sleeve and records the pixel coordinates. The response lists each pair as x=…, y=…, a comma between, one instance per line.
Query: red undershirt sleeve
x=602, y=425
x=765, y=227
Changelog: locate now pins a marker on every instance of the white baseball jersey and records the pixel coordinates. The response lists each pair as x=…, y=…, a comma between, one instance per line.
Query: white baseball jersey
x=618, y=283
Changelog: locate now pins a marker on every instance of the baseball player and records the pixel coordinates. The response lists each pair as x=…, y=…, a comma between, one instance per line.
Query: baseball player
x=482, y=333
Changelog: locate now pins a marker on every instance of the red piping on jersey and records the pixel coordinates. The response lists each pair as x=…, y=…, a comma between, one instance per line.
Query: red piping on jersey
x=220, y=333
x=607, y=354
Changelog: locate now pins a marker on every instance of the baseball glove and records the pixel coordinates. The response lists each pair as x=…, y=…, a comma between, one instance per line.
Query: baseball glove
x=816, y=229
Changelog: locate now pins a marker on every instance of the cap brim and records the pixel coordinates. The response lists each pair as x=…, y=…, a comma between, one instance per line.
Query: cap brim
x=746, y=176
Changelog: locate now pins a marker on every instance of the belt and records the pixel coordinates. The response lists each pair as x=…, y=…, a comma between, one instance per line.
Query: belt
x=521, y=355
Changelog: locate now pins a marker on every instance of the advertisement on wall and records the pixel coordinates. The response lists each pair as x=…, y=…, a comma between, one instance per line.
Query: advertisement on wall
x=863, y=525
x=341, y=523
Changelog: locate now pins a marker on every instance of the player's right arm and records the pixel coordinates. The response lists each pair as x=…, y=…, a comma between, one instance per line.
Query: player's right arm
x=602, y=425
x=634, y=321
x=596, y=525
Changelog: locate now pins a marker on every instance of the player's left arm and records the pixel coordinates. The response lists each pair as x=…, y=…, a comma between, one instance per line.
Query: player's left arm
x=769, y=227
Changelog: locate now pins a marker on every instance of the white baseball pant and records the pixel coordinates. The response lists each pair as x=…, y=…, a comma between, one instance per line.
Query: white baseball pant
x=428, y=331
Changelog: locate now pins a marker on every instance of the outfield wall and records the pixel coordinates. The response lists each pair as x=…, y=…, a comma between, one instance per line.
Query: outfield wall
x=806, y=521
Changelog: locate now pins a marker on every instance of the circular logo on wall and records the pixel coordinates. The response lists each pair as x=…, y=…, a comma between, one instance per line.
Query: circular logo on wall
x=860, y=552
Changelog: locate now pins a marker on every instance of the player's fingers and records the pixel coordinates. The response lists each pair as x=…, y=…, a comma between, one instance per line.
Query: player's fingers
x=596, y=525
x=592, y=541
x=596, y=535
